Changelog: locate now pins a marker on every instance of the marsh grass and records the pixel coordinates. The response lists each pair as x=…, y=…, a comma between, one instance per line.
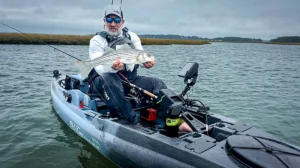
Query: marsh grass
x=17, y=38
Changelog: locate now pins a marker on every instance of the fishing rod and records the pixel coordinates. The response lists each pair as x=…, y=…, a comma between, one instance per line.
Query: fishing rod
x=112, y=2
x=136, y=87
x=130, y=84
x=43, y=42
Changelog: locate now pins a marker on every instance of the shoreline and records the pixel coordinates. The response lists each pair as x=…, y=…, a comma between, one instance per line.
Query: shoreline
x=40, y=39
x=58, y=39
x=282, y=43
x=236, y=42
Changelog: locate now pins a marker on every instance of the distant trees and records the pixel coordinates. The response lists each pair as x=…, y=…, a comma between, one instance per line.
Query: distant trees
x=238, y=39
x=153, y=41
x=286, y=39
x=225, y=39
x=170, y=36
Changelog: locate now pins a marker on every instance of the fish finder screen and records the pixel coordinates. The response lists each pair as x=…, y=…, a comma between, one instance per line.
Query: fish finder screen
x=185, y=69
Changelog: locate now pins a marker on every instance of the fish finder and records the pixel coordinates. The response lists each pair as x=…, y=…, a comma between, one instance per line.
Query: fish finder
x=190, y=73
x=170, y=100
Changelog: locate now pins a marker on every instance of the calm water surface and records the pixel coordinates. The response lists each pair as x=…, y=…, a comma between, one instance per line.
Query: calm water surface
x=255, y=83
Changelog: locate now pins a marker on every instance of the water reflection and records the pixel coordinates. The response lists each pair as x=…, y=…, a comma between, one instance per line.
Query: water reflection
x=88, y=156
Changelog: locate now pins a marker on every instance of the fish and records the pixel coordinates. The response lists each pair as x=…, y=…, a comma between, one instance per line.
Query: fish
x=127, y=56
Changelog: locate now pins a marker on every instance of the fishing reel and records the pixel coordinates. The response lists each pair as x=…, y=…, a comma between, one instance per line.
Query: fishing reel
x=135, y=95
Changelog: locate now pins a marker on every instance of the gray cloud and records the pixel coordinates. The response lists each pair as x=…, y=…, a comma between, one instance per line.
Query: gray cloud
x=214, y=18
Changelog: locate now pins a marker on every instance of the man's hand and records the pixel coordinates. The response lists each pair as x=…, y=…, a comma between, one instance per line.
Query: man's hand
x=149, y=64
x=117, y=65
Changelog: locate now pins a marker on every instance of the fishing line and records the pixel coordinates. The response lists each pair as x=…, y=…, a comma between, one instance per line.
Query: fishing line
x=43, y=42
x=112, y=3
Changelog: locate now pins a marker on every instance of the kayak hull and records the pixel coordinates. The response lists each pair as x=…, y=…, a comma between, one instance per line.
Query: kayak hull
x=138, y=146
x=112, y=147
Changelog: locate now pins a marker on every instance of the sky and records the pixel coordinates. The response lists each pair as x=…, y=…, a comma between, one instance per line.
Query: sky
x=265, y=19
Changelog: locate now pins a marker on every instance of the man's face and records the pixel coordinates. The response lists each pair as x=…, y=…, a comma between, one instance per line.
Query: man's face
x=113, y=24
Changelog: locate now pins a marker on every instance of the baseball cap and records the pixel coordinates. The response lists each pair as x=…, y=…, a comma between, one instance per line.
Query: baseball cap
x=113, y=10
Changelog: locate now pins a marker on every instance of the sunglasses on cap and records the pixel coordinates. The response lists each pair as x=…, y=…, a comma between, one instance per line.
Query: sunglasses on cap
x=110, y=20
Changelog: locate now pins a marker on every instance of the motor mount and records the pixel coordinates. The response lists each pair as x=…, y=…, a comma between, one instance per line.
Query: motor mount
x=169, y=100
x=190, y=73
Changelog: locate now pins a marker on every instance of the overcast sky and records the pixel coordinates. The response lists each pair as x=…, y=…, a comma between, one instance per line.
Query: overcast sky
x=264, y=19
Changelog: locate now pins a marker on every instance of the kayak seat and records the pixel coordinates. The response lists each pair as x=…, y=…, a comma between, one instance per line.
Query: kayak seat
x=95, y=104
x=78, y=98
x=75, y=82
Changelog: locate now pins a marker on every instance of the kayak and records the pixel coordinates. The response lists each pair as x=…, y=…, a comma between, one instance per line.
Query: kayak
x=216, y=141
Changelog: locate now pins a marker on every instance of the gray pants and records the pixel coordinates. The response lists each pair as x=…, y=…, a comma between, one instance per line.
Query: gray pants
x=113, y=91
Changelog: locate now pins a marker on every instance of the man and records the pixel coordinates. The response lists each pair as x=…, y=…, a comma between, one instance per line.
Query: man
x=106, y=80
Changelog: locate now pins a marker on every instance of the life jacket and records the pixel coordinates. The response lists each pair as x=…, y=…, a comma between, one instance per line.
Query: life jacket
x=113, y=41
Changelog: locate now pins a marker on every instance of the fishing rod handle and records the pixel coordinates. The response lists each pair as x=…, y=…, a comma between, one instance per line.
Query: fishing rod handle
x=145, y=91
x=150, y=94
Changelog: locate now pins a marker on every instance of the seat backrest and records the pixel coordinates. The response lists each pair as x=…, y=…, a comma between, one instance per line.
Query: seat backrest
x=75, y=82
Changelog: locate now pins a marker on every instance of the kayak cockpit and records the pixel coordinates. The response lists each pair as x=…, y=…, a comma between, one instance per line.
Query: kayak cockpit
x=215, y=140
x=179, y=109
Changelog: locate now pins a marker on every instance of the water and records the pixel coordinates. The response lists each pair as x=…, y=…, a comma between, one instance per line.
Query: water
x=255, y=83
